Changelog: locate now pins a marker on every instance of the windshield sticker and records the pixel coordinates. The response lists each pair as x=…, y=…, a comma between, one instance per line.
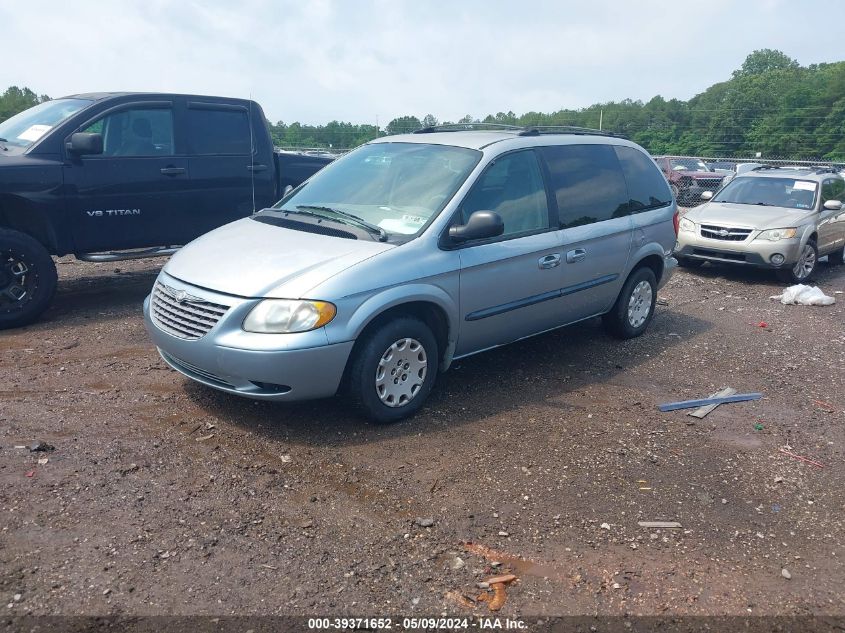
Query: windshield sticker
x=804, y=185
x=34, y=132
x=394, y=225
x=413, y=219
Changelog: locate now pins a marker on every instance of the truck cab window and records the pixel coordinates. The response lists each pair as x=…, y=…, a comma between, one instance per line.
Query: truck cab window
x=213, y=131
x=136, y=132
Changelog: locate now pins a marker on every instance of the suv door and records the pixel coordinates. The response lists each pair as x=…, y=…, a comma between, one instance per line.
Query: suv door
x=591, y=199
x=224, y=166
x=509, y=285
x=127, y=196
x=831, y=226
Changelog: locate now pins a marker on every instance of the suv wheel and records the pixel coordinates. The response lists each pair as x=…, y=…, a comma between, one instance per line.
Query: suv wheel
x=804, y=267
x=27, y=279
x=394, y=369
x=634, y=307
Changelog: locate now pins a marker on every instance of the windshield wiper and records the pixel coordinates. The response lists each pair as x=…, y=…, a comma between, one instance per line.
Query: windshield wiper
x=354, y=219
x=763, y=204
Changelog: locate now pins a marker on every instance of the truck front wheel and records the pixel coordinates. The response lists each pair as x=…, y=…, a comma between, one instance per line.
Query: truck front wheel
x=27, y=279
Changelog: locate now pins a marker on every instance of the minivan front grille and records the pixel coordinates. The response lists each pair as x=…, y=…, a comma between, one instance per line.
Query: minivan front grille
x=182, y=315
x=724, y=233
x=710, y=184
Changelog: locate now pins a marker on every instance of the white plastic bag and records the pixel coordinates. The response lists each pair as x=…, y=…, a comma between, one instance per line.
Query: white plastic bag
x=805, y=296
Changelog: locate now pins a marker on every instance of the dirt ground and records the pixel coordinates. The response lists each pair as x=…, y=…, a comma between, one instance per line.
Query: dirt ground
x=537, y=459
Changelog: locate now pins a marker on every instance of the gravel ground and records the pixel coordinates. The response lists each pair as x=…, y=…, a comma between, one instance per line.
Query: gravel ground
x=537, y=459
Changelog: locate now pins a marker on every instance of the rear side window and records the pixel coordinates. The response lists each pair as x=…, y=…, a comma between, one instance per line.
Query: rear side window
x=647, y=188
x=212, y=131
x=587, y=182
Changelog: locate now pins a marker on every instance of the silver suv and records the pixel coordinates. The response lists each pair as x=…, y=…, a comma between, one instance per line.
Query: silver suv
x=411, y=252
x=770, y=217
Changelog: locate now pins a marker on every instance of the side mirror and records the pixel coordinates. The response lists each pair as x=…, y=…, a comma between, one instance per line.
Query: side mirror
x=706, y=195
x=833, y=205
x=287, y=190
x=85, y=143
x=481, y=225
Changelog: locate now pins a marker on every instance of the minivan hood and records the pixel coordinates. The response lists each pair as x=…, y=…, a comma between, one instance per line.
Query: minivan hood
x=252, y=259
x=746, y=215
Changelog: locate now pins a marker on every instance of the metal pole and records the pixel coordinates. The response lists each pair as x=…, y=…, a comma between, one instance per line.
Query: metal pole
x=601, y=119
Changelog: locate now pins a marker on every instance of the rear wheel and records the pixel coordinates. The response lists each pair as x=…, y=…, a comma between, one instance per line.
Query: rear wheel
x=634, y=307
x=805, y=266
x=394, y=369
x=27, y=279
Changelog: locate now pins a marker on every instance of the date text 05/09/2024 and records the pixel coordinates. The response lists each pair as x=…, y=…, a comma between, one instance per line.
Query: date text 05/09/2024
x=414, y=624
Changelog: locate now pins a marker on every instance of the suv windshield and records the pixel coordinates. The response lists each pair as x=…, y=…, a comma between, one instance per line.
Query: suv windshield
x=788, y=193
x=688, y=164
x=396, y=187
x=23, y=129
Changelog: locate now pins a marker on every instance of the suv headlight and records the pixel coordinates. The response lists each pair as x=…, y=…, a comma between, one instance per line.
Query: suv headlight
x=688, y=226
x=286, y=316
x=775, y=235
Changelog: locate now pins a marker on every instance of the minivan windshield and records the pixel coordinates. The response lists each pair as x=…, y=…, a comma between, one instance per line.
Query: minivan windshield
x=23, y=129
x=786, y=193
x=396, y=187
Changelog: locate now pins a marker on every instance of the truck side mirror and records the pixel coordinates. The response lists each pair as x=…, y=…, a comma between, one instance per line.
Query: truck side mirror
x=833, y=205
x=706, y=195
x=481, y=225
x=85, y=143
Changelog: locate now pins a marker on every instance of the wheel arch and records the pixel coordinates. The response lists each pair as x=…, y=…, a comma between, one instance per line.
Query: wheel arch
x=19, y=215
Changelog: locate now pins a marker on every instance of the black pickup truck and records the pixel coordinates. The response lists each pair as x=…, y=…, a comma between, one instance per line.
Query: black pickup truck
x=113, y=176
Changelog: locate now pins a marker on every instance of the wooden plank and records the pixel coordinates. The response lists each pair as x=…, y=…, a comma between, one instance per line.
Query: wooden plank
x=660, y=524
x=703, y=411
x=691, y=404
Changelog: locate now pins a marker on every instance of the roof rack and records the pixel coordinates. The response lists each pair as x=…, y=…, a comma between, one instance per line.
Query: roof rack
x=826, y=170
x=765, y=167
x=536, y=130
x=464, y=127
x=528, y=130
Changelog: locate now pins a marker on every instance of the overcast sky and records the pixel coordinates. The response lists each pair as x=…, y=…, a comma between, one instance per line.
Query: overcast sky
x=358, y=60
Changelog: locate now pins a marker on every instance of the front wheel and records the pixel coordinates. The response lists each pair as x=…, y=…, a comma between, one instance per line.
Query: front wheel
x=394, y=369
x=634, y=307
x=27, y=279
x=804, y=267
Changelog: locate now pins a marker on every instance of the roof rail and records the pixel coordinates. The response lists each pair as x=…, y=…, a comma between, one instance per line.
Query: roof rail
x=536, y=130
x=464, y=127
x=826, y=170
x=764, y=167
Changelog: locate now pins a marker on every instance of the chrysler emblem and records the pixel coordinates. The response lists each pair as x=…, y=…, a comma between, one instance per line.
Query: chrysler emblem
x=181, y=296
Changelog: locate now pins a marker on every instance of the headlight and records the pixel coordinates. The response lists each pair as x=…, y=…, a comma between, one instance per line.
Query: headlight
x=687, y=226
x=774, y=235
x=285, y=316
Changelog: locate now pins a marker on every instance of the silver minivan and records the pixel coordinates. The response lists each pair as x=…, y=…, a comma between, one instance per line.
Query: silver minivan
x=413, y=251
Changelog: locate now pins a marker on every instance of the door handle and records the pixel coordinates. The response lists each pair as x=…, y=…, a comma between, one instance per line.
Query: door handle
x=576, y=255
x=549, y=261
x=255, y=168
x=172, y=171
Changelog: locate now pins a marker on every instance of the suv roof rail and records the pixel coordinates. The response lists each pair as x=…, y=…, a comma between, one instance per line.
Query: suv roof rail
x=765, y=167
x=825, y=170
x=536, y=130
x=465, y=127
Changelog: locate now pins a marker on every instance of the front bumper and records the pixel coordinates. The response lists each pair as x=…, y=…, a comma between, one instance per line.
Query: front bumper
x=751, y=252
x=284, y=367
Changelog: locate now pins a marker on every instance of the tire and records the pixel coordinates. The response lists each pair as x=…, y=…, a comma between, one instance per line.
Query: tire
x=804, y=268
x=836, y=258
x=675, y=192
x=27, y=279
x=686, y=262
x=628, y=318
x=395, y=340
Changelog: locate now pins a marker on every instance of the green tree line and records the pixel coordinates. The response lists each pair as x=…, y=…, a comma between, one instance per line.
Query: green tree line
x=771, y=105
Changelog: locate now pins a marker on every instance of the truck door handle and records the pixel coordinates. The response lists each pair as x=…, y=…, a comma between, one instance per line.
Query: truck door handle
x=576, y=255
x=172, y=171
x=549, y=261
x=255, y=168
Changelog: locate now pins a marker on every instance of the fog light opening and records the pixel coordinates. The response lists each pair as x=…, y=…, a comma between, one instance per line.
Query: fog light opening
x=777, y=259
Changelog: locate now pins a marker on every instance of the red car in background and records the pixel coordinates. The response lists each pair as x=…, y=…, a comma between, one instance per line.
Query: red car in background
x=688, y=178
